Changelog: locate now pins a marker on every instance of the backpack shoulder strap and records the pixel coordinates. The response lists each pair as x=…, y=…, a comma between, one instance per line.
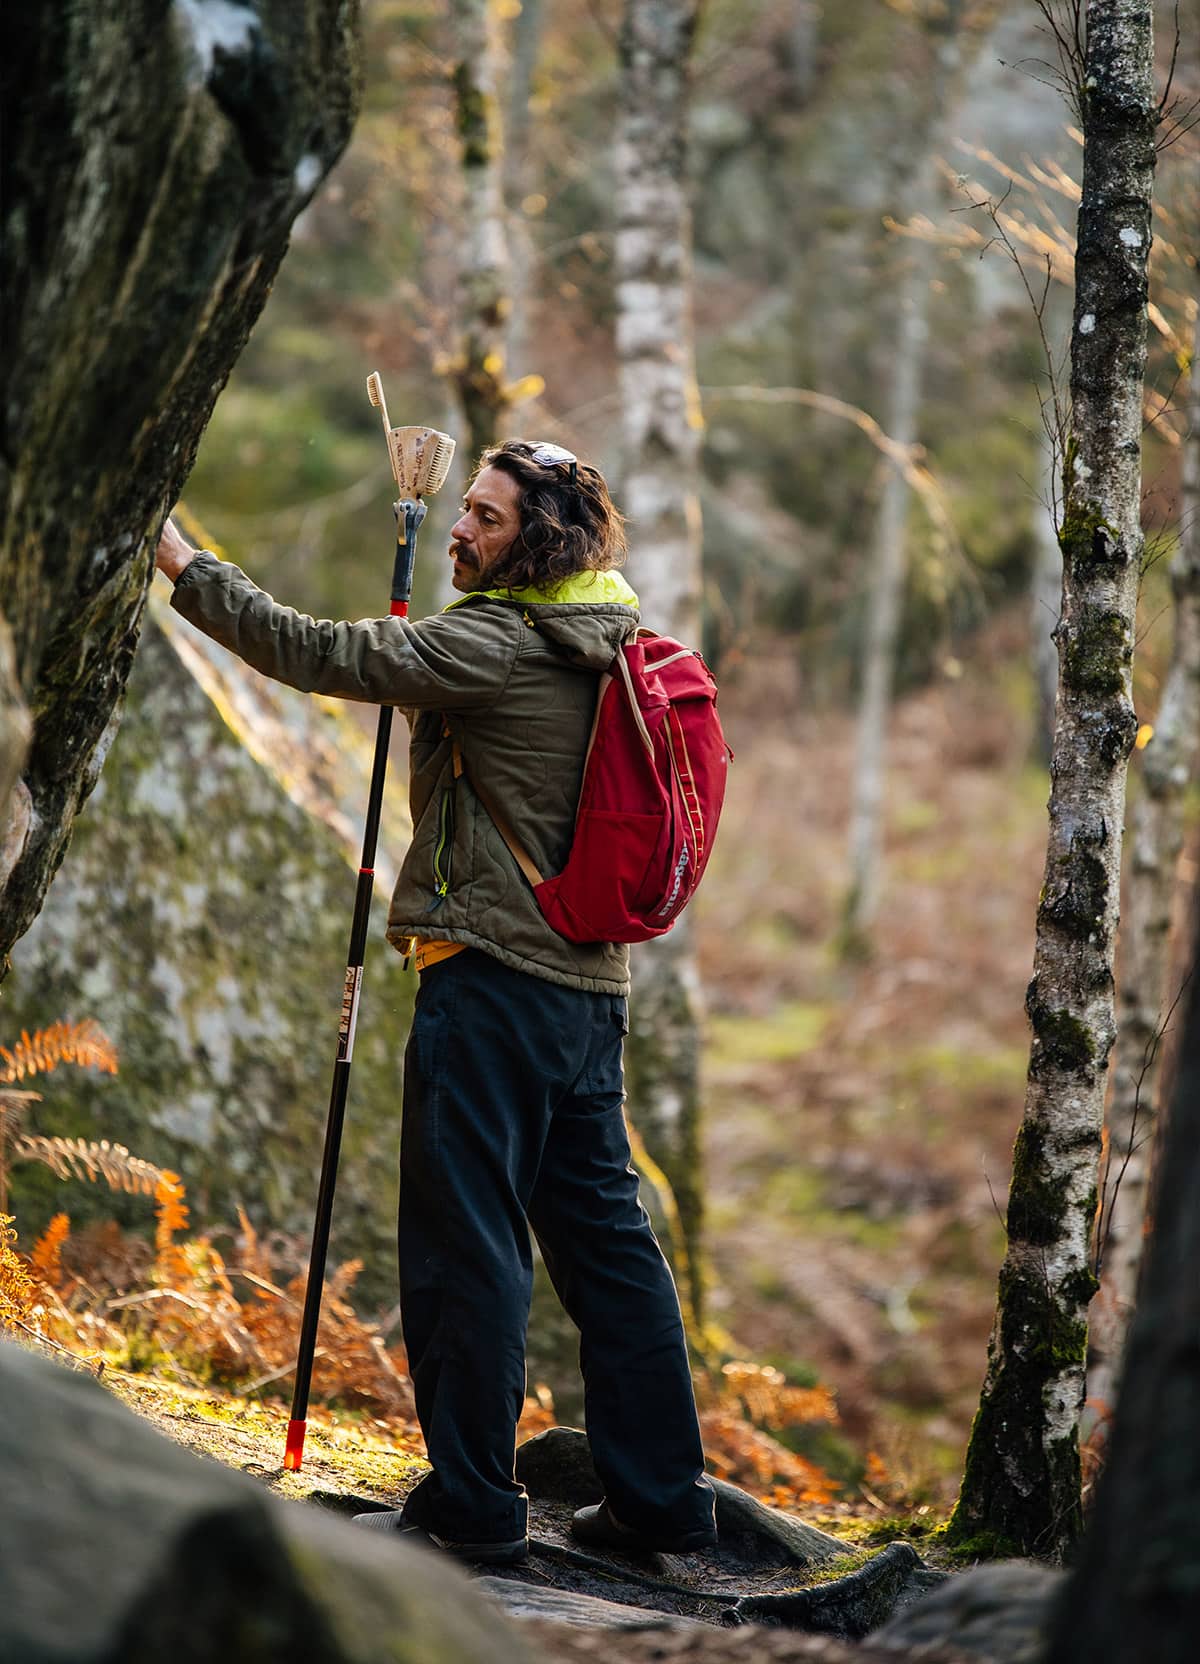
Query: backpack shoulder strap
x=500, y=821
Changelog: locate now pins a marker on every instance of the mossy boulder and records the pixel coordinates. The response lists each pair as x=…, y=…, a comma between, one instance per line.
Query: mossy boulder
x=154, y=161
x=202, y=918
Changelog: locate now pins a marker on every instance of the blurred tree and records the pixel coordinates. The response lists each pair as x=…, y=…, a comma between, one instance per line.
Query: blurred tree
x=522, y=202
x=1021, y=1487
x=662, y=424
x=1169, y=763
x=1135, y=1595
x=485, y=303
x=945, y=23
x=144, y=218
x=803, y=46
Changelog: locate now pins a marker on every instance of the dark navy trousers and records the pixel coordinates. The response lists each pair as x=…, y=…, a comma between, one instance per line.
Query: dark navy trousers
x=513, y=1119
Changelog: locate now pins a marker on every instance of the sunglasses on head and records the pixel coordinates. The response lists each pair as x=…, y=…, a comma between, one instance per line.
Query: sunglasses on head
x=549, y=456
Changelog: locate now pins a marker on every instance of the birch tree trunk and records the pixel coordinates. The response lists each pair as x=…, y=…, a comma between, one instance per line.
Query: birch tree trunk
x=888, y=564
x=660, y=405
x=1020, y=1490
x=484, y=301
x=154, y=159
x=1135, y=1596
x=803, y=42
x=526, y=39
x=1143, y=997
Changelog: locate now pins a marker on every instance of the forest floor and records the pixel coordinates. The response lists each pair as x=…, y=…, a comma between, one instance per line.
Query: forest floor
x=860, y=1114
x=348, y=1465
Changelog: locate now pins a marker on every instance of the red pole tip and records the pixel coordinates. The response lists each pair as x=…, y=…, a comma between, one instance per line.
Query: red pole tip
x=293, y=1453
x=399, y=609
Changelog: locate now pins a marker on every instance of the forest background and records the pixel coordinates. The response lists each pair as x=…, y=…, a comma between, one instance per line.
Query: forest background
x=860, y=1095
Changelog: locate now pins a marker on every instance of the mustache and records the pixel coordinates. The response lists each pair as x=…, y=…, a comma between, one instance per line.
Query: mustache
x=458, y=552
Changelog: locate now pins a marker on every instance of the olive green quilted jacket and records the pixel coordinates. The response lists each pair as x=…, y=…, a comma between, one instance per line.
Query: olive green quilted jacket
x=514, y=680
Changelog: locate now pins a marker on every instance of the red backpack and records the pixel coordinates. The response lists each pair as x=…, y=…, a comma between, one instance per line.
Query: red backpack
x=653, y=786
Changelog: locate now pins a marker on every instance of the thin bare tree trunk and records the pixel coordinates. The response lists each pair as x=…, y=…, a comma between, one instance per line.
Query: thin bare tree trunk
x=888, y=564
x=1021, y=1488
x=661, y=478
x=1143, y=997
x=884, y=599
x=484, y=298
x=802, y=48
x=1045, y=597
x=526, y=40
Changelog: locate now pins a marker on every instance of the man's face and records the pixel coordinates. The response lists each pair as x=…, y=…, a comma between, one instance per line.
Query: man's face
x=485, y=531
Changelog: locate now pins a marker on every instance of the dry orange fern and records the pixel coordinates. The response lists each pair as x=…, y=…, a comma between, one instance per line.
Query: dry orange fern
x=763, y=1395
x=86, y=1158
x=84, y=1044
x=747, y=1456
x=170, y=1262
x=738, y=1414
x=16, y=1287
x=46, y=1257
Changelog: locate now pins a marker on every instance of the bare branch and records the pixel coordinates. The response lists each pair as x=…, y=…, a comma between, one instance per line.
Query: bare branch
x=1108, y=1200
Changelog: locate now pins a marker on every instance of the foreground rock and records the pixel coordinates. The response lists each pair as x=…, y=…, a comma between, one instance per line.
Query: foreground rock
x=118, y=1547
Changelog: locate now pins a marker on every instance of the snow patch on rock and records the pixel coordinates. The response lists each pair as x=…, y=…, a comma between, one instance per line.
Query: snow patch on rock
x=308, y=171
x=1130, y=237
x=217, y=26
x=1087, y=323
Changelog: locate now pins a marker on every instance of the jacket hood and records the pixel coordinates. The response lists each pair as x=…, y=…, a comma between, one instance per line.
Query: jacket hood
x=588, y=615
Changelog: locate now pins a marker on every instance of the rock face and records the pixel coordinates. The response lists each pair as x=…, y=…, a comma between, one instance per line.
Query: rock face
x=201, y=917
x=118, y=1547
x=143, y=214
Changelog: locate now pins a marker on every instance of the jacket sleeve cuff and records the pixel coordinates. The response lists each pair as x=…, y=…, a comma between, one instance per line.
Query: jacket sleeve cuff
x=202, y=561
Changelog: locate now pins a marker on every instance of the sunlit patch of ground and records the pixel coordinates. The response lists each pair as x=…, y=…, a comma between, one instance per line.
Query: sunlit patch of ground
x=354, y=1453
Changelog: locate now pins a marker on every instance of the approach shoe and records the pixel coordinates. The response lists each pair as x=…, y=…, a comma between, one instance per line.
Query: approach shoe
x=598, y=1527
x=392, y=1520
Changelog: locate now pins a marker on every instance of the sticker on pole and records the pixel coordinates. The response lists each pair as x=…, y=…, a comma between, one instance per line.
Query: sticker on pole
x=350, y=992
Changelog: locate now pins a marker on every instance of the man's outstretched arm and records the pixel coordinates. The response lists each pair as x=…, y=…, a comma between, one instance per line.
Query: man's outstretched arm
x=457, y=661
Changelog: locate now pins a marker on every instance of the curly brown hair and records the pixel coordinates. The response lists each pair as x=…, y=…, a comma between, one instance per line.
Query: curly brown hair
x=568, y=525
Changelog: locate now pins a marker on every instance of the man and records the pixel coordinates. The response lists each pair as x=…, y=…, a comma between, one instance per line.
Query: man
x=513, y=1086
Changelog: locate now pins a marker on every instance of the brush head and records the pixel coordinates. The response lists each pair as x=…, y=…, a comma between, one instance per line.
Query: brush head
x=375, y=389
x=421, y=459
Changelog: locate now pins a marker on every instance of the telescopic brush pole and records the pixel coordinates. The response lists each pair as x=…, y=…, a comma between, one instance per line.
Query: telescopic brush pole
x=420, y=460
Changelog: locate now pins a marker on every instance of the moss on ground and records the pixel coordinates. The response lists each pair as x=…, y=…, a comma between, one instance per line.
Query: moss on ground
x=345, y=1455
x=789, y=1031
